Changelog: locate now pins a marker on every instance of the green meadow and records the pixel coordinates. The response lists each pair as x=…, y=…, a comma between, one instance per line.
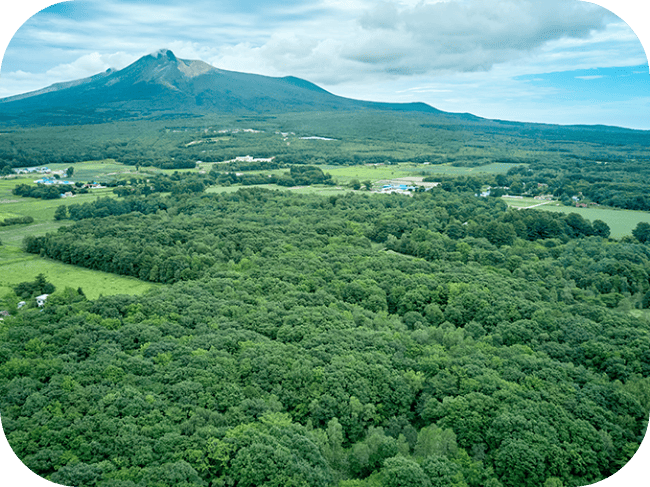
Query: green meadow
x=621, y=222
x=314, y=189
x=41, y=210
x=87, y=171
x=17, y=266
x=524, y=202
x=449, y=170
x=375, y=173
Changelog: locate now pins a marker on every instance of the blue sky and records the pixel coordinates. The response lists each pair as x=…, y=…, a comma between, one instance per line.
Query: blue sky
x=556, y=61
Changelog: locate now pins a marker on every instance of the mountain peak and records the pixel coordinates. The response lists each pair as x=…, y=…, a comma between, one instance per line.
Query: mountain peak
x=160, y=82
x=163, y=53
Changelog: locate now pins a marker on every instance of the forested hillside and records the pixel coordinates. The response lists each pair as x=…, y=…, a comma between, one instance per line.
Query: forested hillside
x=356, y=340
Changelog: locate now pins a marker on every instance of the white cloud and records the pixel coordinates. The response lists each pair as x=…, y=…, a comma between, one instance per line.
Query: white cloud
x=456, y=49
x=90, y=64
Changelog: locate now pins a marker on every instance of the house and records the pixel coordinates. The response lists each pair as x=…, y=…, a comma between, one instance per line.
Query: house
x=40, y=300
x=21, y=304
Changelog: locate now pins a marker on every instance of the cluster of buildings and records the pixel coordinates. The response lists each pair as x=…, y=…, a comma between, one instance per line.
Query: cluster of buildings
x=244, y=159
x=32, y=170
x=236, y=131
x=93, y=185
x=40, y=302
x=52, y=181
x=397, y=188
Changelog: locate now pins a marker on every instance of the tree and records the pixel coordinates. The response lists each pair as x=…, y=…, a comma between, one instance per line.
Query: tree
x=355, y=184
x=645, y=301
x=403, y=472
x=642, y=232
x=500, y=233
x=435, y=441
x=442, y=472
x=553, y=482
x=601, y=229
x=28, y=289
x=518, y=464
x=501, y=180
x=69, y=172
x=61, y=212
x=516, y=187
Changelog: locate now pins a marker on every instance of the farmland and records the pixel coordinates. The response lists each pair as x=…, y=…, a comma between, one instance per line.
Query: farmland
x=314, y=189
x=41, y=210
x=621, y=222
x=523, y=202
x=18, y=266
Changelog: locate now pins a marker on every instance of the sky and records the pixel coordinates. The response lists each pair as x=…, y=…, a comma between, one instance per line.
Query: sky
x=551, y=61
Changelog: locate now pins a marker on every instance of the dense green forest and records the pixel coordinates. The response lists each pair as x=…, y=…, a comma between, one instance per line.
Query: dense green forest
x=354, y=340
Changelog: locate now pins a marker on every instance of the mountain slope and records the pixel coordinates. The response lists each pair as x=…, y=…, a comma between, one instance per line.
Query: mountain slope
x=160, y=83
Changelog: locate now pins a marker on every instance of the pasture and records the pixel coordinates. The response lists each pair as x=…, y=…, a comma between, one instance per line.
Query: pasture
x=375, y=173
x=621, y=222
x=449, y=170
x=524, y=202
x=41, y=210
x=313, y=189
x=104, y=170
x=18, y=266
x=344, y=174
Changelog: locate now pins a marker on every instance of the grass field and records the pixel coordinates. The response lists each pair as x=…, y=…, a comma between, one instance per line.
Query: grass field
x=449, y=170
x=5, y=214
x=17, y=266
x=526, y=202
x=314, y=189
x=41, y=210
x=104, y=170
x=345, y=174
x=621, y=222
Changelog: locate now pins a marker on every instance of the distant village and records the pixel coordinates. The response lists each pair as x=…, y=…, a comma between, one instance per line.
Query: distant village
x=53, y=177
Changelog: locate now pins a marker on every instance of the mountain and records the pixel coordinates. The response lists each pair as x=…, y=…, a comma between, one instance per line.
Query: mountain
x=160, y=84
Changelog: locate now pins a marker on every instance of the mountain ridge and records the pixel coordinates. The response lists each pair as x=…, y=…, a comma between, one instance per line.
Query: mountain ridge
x=161, y=83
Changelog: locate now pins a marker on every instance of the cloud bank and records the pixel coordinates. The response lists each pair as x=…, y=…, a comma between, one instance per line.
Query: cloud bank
x=461, y=55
